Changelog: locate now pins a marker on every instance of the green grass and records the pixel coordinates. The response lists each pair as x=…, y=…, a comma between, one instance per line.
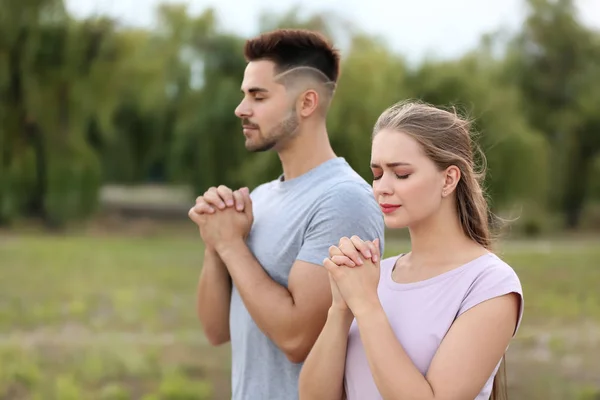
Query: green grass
x=113, y=317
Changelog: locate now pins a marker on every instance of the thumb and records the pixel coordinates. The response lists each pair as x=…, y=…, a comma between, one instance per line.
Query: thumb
x=330, y=266
x=247, y=201
x=377, y=248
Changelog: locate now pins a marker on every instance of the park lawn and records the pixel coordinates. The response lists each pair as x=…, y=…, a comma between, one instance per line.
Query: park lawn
x=113, y=317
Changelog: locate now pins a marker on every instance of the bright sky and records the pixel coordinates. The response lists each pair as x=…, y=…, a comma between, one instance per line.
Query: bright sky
x=415, y=28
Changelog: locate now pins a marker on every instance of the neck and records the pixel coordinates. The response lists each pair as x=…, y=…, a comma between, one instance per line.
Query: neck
x=434, y=240
x=307, y=150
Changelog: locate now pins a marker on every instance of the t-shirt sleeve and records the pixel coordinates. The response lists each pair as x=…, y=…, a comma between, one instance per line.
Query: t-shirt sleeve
x=348, y=209
x=494, y=281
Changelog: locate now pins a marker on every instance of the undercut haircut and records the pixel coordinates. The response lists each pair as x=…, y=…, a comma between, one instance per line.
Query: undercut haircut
x=297, y=53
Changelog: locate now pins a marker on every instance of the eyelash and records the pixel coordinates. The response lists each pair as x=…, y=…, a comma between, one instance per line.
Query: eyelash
x=375, y=178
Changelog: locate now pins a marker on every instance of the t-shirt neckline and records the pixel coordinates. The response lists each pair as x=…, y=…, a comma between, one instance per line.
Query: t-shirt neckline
x=392, y=284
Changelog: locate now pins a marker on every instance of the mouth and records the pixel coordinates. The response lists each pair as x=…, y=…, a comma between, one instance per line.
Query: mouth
x=248, y=129
x=389, y=208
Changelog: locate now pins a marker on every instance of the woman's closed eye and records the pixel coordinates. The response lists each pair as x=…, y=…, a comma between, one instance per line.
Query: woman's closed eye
x=399, y=176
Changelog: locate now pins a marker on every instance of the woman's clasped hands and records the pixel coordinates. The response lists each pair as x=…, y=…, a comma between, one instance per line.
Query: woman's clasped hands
x=353, y=267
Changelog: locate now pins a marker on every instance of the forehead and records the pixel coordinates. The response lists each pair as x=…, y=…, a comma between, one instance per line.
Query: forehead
x=259, y=74
x=393, y=146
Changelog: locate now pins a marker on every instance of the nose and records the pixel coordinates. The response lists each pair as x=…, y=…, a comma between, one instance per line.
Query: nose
x=242, y=110
x=383, y=186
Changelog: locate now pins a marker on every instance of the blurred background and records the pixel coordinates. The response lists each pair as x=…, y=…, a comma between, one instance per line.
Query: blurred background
x=115, y=115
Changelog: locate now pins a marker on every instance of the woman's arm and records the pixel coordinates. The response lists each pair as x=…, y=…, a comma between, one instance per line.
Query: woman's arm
x=463, y=363
x=322, y=374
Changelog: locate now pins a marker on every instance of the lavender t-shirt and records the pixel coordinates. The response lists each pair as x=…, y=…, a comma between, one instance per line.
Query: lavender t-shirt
x=421, y=313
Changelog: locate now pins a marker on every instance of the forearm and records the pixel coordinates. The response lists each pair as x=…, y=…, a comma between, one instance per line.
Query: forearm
x=214, y=297
x=394, y=373
x=270, y=304
x=322, y=374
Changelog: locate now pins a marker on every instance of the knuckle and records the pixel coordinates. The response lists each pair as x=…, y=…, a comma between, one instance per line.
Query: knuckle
x=212, y=198
x=335, y=251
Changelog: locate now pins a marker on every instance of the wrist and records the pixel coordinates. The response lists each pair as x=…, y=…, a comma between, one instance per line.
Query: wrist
x=339, y=314
x=210, y=251
x=339, y=308
x=212, y=258
x=225, y=248
x=367, y=309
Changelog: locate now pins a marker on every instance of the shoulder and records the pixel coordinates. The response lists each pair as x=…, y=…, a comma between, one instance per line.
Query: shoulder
x=349, y=191
x=348, y=200
x=340, y=179
x=344, y=209
x=491, y=277
x=491, y=271
x=354, y=187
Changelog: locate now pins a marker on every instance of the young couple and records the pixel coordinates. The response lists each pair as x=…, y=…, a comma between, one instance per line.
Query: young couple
x=293, y=276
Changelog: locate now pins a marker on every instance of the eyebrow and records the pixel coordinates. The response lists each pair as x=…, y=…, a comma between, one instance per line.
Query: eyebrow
x=255, y=90
x=390, y=165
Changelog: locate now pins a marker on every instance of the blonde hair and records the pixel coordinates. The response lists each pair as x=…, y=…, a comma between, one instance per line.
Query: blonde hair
x=446, y=139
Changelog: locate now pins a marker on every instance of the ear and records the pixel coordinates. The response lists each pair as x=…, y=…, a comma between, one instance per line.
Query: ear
x=308, y=102
x=451, y=178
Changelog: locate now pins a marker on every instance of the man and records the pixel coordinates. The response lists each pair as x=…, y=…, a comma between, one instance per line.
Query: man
x=271, y=244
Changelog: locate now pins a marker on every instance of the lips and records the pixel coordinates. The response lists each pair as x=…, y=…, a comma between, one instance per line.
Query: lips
x=248, y=129
x=389, y=208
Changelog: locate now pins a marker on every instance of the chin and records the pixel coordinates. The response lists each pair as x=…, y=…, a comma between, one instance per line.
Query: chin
x=256, y=147
x=260, y=146
x=395, y=222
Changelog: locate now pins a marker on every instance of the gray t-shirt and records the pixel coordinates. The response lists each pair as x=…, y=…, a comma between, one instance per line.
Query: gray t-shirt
x=294, y=220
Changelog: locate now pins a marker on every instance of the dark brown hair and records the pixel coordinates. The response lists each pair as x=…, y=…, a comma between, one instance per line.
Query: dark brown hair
x=446, y=139
x=292, y=48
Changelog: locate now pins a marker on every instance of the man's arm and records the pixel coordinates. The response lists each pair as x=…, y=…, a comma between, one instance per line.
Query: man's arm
x=293, y=317
x=214, y=297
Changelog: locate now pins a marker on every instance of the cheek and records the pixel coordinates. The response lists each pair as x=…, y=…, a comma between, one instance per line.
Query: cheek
x=267, y=118
x=418, y=195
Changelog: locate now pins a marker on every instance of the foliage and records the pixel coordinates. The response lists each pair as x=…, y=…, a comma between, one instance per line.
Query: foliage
x=88, y=102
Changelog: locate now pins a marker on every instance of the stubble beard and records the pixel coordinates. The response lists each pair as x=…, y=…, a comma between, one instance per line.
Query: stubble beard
x=279, y=135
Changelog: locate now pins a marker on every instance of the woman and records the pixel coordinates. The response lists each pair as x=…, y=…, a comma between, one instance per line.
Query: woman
x=433, y=323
